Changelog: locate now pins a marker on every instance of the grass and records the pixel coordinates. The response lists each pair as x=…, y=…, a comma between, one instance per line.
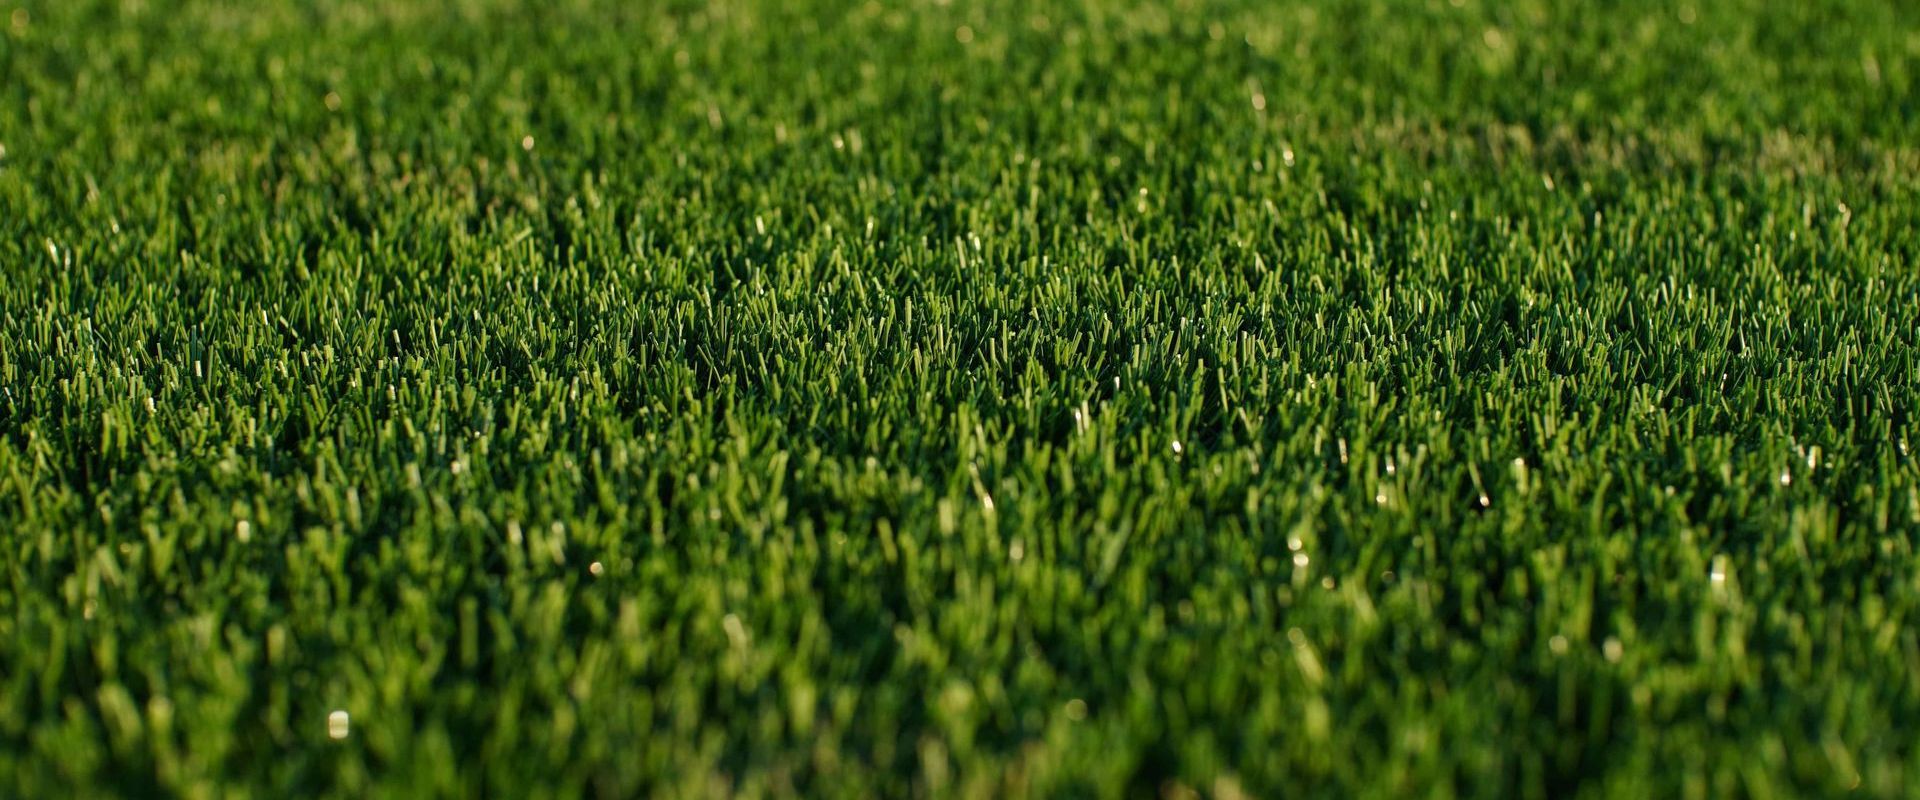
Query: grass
x=1100, y=398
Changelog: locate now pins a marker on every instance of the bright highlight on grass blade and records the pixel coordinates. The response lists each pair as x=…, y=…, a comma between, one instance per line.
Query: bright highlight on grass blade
x=338, y=725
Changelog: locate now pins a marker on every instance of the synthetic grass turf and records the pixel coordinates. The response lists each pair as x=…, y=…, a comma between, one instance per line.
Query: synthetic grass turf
x=1092, y=398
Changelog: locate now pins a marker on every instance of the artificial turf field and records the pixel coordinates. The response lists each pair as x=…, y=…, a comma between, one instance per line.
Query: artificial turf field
x=1099, y=398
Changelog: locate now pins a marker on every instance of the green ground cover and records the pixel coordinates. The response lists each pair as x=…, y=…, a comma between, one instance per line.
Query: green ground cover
x=1093, y=398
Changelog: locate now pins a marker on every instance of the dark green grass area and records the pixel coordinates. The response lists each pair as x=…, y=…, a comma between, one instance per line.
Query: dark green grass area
x=1097, y=398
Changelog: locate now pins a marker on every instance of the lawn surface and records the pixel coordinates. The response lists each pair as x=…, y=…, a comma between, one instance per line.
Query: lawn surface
x=1101, y=398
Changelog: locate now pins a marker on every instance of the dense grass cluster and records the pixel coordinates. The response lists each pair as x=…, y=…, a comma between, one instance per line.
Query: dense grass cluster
x=1105, y=398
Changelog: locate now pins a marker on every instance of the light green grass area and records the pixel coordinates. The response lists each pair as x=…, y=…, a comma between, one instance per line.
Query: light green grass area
x=1070, y=398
